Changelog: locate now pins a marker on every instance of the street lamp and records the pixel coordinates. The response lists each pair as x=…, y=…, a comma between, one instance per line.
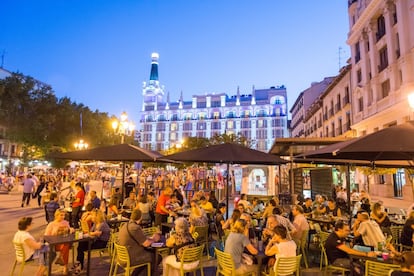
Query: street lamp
x=81, y=145
x=123, y=127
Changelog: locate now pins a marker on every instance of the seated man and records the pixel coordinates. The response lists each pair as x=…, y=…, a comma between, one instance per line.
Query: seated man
x=308, y=207
x=300, y=222
x=132, y=236
x=332, y=209
x=130, y=202
x=368, y=229
x=337, y=250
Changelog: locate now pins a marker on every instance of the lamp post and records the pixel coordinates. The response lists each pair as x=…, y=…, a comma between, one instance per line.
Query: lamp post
x=81, y=145
x=123, y=127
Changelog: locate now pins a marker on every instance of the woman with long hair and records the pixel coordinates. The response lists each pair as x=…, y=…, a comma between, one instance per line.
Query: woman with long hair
x=236, y=243
x=381, y=217
x=60, y=226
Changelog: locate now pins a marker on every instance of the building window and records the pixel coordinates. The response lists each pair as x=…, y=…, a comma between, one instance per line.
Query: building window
x=385, y=89
x=261, y=123
x=261, y=134
x=173, y=127
x=360, y=104
x=359, y=76
x=187, y=126
x=380, y=27
x=216, y=115
x=357, y=52
x=201, y=105
x=383, y=55
x=230, y=124
x=174, y=117
x=160, y=127
x=201, y=125
x=173, y=136
x=246, y=124
x=215, y=103
x=215, y=125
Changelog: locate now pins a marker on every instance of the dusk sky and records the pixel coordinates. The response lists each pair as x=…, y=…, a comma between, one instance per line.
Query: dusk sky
x=99, y=52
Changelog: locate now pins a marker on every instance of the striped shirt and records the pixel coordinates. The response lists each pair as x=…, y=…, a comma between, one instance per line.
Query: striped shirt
x=371, y=233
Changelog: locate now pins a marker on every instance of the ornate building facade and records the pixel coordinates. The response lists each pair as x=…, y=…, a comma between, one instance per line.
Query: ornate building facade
x=260, y=116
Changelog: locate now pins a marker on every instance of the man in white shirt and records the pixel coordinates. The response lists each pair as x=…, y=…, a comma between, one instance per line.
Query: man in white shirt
x=368, y=229
x=28, y=188
x=300, y=222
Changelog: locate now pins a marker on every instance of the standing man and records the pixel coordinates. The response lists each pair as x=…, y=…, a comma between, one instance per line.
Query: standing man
x=161, y=211
x=77, y=205
x=129, y=187
x=28, y=188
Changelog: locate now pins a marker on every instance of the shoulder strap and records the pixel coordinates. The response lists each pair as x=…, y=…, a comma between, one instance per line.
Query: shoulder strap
x=129, y=233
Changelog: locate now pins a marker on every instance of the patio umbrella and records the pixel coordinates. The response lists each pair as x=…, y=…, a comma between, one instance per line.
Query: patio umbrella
x=392, y=143
x=119, y=152
x=227, y=153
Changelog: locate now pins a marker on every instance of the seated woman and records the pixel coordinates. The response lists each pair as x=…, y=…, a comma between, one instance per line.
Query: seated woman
x=236, y=243
x=60, y=226
x=112, y=208
x=197, y=216
x=408, y=231
x=32, y=248
x=87, y=217
x=230, y=222
x=145, y=207
x=180, y=240
x=381, y=217
x=279, y=245
x=101, y=231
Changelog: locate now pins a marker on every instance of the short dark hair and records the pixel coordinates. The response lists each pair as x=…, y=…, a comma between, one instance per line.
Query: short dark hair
x=53, y=195
x=221, y=205
x=277, y=211
x=281, y=231
x=24, y=222
x=340, y=224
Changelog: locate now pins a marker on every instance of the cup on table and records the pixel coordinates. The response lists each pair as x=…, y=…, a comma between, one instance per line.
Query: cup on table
x=385, y=255
x=119, y=217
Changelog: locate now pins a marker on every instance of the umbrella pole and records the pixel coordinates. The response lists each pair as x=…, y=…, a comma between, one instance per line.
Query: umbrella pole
x=123, y=180
x=348, y=190
x=227, y=191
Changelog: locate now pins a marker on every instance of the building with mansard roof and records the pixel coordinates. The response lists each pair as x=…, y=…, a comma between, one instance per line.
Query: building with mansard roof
x=260, y=116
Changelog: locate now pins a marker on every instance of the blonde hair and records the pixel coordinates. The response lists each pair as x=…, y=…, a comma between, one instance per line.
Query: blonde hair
x=100, y=216
x=239, y=226
x=58, y=212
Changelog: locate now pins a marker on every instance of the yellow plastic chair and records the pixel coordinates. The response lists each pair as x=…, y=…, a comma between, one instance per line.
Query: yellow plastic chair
x=18, y=247
x=396, y=236
x=285, y=266
x=373, y=268
x=225, y=265
x=123, y=260
x=113, y=238
x=190, y=255
x=202, y=237
x=149, y=231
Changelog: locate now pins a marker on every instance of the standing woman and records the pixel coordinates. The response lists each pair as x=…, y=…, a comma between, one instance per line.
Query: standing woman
x=60, y=226
x=77, y=204
x=40, y=187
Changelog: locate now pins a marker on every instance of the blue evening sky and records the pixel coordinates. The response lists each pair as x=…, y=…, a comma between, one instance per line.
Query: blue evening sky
x=98, y=52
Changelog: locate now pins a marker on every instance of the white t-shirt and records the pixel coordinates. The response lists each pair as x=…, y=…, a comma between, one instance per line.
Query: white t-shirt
x=286, y=249
x=20, y=237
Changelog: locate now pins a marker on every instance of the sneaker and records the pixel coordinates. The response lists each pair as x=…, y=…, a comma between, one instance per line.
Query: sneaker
x=76, y=265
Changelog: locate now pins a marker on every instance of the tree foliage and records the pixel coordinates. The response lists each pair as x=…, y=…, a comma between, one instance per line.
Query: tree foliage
x=33, y=116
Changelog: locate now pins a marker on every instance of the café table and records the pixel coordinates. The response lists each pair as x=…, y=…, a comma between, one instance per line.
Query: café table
x=378, y=258
x=71, y=239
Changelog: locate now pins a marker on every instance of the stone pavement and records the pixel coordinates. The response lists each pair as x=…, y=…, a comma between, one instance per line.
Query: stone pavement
x=11, y=212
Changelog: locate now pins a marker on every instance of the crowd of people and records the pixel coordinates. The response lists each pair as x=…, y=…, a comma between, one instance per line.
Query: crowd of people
x=254, y=226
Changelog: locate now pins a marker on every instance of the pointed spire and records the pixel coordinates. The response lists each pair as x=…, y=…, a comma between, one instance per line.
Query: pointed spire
x=180, y=104
x=238, y=96
x=154, y=67
x=253, y=95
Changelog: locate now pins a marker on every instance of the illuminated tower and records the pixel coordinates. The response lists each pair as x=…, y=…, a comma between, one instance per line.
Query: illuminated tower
x=152, y=92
